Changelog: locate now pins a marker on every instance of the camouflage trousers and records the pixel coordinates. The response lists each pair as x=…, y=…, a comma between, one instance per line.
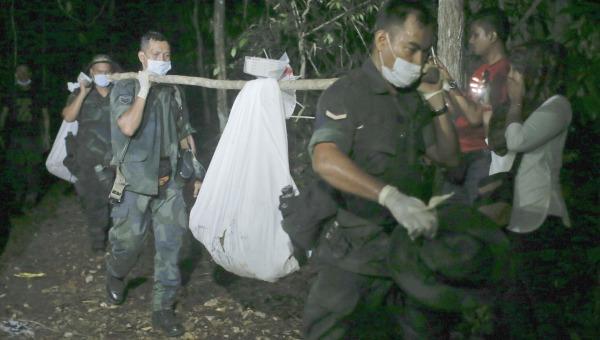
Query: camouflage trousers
x=131, y=221
x=93, y=196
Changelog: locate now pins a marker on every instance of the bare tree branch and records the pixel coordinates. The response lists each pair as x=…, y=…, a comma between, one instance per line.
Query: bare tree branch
x=300, y=29
x=339, y=16
x=527, y=14
x=83, y=23
x=66, y=13
x=99, y=14
x=360, y=36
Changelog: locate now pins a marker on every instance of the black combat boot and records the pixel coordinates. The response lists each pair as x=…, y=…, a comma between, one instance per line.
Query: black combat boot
x=115, y=289
x=167, y=322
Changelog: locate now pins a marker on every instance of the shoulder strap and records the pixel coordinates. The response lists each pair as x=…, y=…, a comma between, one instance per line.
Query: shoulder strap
x=121, y=157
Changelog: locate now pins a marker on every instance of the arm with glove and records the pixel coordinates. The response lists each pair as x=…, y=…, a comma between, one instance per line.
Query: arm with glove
x=75, y=101
x=341, y=172
x=131, y=119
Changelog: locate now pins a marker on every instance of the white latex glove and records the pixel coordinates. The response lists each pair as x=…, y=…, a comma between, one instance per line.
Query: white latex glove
x=144, y=80
x=410, y=212
x=84, y=80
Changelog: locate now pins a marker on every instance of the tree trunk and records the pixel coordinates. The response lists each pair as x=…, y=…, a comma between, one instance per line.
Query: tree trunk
x=451, y=32
x=13, y=26
x=200, y=62
x=111, y=23
x=219, y=29
x=561, y=21
x=44, y=50
x=245, y=11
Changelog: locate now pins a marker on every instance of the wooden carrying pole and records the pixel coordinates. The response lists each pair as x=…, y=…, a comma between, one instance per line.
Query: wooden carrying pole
x=300, y=85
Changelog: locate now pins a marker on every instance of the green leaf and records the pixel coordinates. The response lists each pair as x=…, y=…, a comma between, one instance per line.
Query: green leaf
x=233, y=52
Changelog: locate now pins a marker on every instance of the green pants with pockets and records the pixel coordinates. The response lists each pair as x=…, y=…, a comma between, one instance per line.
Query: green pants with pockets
x=131, y=220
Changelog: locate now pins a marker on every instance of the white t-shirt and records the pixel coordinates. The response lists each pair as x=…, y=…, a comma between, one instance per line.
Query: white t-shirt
x=541, y=139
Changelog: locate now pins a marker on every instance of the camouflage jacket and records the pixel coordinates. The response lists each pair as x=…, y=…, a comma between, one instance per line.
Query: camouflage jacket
x=93, y=135
x=165, y=122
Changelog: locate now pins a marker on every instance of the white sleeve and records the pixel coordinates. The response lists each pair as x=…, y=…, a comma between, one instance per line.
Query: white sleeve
x=547, y=121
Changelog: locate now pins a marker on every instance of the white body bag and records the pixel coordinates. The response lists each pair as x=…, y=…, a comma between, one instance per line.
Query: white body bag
x=236, y=215
x=54, y=162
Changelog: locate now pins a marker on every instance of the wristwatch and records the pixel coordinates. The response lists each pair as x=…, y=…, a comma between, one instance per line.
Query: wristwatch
x=439, y=112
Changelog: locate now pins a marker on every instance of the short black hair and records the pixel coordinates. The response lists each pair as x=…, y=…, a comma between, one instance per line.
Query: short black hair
x=493, y=20
x=151, y=35
x=543, y=64
x=395, y=12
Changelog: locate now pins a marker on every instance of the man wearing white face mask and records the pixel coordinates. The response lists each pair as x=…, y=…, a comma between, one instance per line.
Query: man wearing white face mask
x=89, y=105
x=371, y=131
x=151, y=133
x=24, y=130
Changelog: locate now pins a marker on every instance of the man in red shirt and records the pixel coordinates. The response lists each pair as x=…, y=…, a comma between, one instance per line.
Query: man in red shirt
x=487, y=88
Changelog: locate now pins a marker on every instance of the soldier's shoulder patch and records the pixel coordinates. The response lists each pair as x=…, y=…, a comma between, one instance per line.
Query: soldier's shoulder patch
x=336, y=116
x=125, y=99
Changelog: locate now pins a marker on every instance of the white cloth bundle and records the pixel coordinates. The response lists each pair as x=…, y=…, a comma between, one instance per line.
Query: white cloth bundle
x=54, y=162
x=236, y=214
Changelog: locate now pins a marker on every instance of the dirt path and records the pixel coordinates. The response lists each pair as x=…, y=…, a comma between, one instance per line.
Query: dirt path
x=69, y=300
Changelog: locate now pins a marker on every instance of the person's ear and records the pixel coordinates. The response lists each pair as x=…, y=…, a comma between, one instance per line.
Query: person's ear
x=380, y=40
x=493, y=37
x=142, y=57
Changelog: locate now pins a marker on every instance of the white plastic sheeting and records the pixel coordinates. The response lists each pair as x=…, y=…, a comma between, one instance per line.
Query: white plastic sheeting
x=54, y=162
x=236, y=214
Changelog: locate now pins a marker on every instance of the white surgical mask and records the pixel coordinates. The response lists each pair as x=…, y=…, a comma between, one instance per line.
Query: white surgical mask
x=159, y=67
x=101, y=80
x=24, y=82
x=403, y=73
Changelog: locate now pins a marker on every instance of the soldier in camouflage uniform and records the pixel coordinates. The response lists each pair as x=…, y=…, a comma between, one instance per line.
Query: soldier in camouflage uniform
x=371, y=131
x=25, y=128
x=89, y=105
x=150, y=130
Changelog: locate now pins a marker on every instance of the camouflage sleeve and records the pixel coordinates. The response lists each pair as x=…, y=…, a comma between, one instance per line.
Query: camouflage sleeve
x=122, y=97
x=184, y=127
x=333, y=122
